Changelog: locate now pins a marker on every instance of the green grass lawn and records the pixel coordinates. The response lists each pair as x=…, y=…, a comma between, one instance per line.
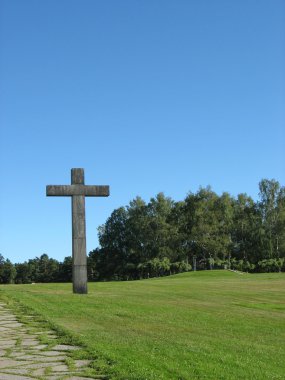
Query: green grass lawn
x=198, y=325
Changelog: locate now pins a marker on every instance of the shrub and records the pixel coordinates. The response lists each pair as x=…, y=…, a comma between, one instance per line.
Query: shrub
x=270, y=265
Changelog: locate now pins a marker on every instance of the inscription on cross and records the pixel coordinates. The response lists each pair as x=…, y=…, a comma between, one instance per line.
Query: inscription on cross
x=78, y=191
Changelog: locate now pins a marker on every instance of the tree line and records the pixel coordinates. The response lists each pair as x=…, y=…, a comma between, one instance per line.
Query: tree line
x=163, y=236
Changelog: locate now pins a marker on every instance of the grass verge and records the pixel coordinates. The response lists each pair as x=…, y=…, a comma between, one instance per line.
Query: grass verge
x=202, y=325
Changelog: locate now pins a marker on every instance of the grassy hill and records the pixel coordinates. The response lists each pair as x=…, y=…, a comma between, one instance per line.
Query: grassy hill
x=198, y=325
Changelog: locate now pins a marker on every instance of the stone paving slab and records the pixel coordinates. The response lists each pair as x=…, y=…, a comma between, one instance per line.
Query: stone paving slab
x=24, y=357
x=17, y=371
x=81, y=363
x=15, y=377
x=65, y=347
x=40, y=358
x=7, y=363
x=3, y=328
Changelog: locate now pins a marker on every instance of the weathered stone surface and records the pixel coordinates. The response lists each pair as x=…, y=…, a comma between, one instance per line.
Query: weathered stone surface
x=60, y=368
x=12, y=324
x=22, y=357
x=7, y=363
x=37, y=365
x=42, y=358
x=18, y=371
x=4, y=376
x=39, y=347
x=70, y=190
x=77, y=176
x=30, y=342
x=7, y=342
x=81, y=363
x=51, y=353
x=3, y=328
x=65, y=347
x=79, y=257
x=6, y=318
x=39, y=372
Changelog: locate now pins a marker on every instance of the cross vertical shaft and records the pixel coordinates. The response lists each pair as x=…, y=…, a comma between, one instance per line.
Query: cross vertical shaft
x=79, y=258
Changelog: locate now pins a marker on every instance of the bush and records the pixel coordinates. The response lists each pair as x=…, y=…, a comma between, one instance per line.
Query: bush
x=242, y=265
x=161, y=267
x=270, y=265
x=179, y=267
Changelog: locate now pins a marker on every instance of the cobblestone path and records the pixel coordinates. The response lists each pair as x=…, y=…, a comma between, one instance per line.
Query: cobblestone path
x=23, y=357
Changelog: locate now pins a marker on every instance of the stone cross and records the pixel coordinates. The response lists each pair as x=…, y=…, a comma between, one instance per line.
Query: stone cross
x=78, y=191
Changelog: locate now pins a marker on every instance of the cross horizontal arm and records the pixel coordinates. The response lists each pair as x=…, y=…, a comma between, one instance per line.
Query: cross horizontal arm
x=69, y=190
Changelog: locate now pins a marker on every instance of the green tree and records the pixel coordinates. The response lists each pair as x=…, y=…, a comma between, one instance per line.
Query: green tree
x=160, y=232
x=223, y=210
x=138, y=231
x=201, y=225
x=65, y=270
x=48, y=269
x=23, y=275
x=113, y=240
x=280, y=224
x=7, y=271
x=247, y=230
x=271, y=206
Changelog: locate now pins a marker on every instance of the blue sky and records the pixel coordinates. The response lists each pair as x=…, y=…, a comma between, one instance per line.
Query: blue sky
x=147, y=96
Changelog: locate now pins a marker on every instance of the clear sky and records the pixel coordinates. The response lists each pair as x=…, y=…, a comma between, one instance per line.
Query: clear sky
x=147, y=96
